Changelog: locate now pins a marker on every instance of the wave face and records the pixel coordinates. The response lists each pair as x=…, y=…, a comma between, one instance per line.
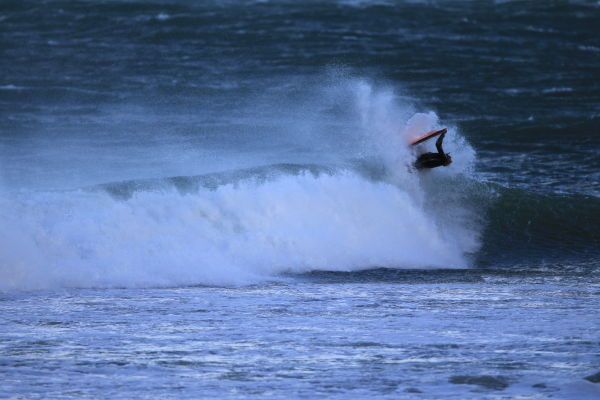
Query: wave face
x=235, y=233
x=529, y=230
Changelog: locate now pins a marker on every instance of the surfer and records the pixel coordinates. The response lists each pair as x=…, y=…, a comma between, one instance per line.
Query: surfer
x=434, y=160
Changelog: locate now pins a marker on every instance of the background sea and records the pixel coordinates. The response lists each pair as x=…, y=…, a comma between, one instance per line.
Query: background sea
x=215, y=199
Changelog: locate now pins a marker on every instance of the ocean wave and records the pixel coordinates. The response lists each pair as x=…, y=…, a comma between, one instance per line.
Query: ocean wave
x=557, y=90
x=11, y=87
x=247, y=226
x=231, y=234
x=366, y=209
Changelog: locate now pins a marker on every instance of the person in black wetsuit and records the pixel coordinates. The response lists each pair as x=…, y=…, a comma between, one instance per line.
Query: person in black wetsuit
x=434, y=160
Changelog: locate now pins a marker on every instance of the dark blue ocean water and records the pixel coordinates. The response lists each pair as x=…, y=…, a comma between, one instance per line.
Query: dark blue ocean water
x=216, y=199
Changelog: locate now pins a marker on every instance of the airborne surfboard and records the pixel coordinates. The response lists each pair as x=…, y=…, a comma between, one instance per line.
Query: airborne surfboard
x=426, y=136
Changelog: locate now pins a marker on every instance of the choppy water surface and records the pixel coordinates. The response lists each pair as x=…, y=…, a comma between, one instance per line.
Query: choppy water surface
x=217, y=199
x=395, y=335
x=392, y=334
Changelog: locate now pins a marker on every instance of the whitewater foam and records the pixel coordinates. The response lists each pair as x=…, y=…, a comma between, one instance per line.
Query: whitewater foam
x=235, y=234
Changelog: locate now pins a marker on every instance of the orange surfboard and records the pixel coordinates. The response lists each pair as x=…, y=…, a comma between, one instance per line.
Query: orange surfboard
x=427, y=136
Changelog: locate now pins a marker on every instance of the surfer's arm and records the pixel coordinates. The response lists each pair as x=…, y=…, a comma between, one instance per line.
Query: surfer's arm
x=438, y=144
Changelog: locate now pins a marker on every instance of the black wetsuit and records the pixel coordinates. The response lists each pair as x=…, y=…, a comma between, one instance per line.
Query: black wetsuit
x=434, y=160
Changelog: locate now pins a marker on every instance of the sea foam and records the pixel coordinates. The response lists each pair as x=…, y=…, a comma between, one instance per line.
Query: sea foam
x=235, y=234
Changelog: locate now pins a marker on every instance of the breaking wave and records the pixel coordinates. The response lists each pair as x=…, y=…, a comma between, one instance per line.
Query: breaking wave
x=232, y=234
x=361, y=207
